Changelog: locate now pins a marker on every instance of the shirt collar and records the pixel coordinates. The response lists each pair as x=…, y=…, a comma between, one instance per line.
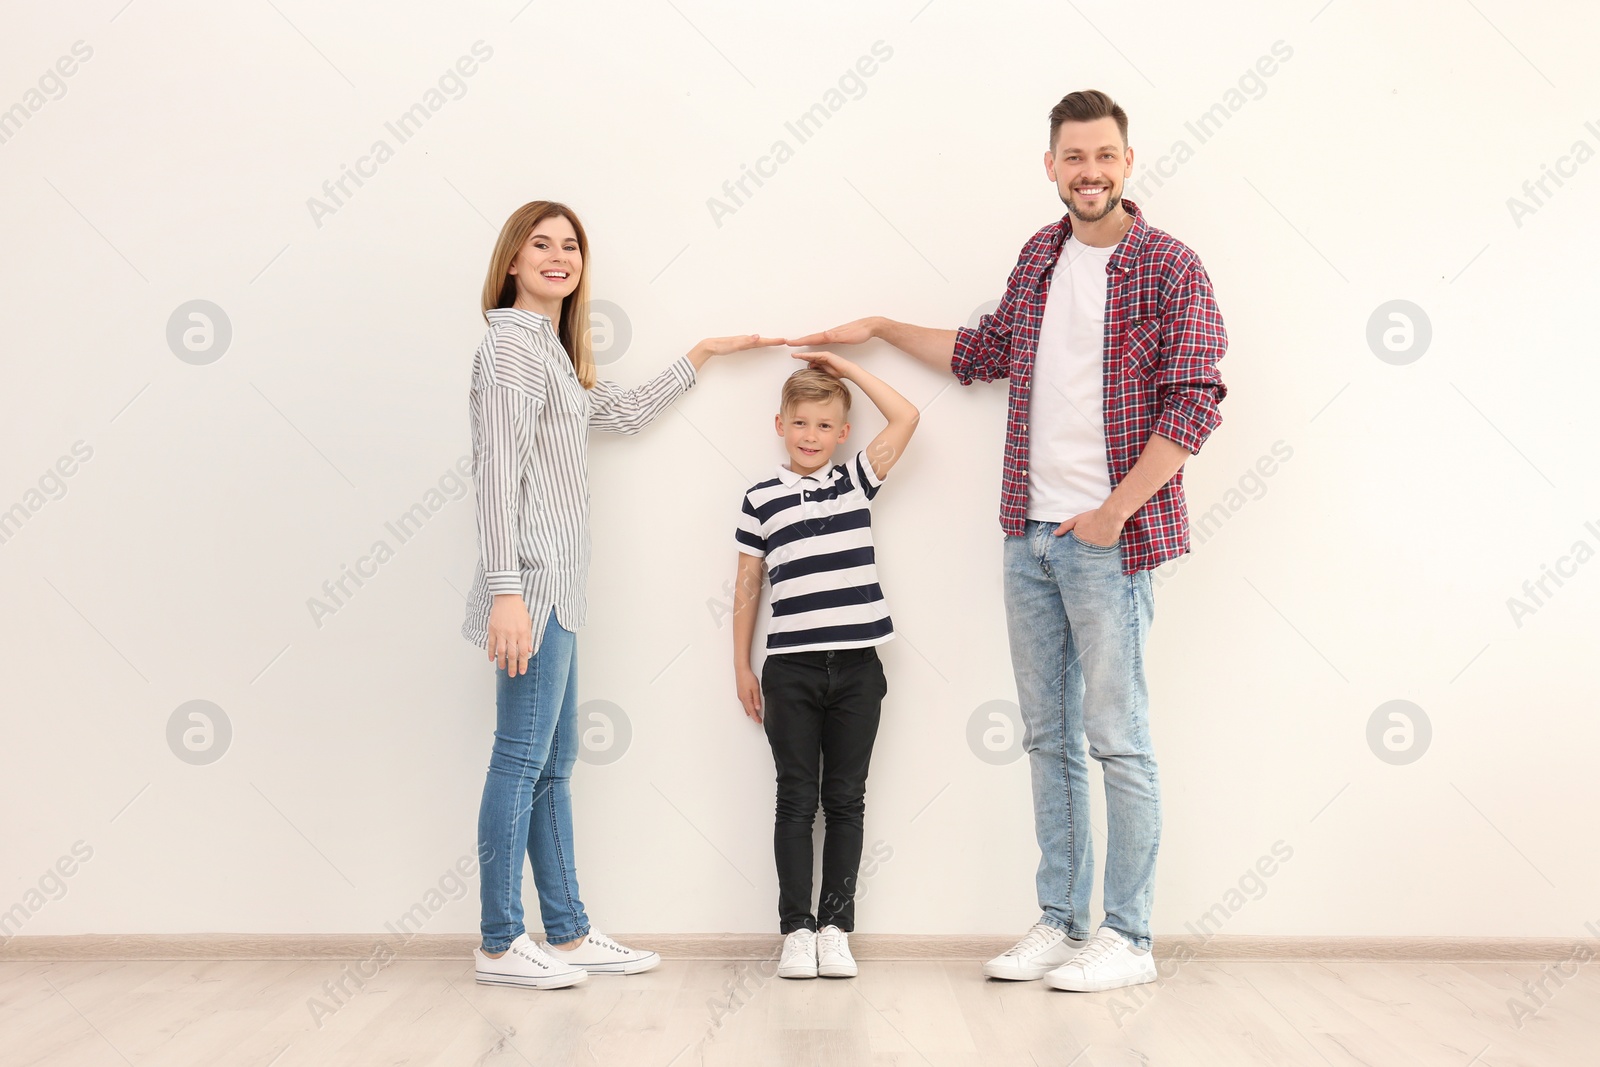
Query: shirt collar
x=520, y=316
x=1127, y=249
x=792, y=478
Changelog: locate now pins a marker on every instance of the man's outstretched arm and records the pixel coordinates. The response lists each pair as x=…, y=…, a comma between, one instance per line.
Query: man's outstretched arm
x=934, y=347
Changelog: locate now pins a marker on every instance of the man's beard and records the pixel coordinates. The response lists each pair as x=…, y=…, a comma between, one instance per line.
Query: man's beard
x=1112, y=200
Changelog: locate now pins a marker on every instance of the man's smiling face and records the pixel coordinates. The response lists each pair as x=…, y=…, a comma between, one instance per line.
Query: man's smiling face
x=1089, y=163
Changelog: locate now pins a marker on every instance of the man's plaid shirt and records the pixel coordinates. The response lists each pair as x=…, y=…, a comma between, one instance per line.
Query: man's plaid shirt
x=1163, y=338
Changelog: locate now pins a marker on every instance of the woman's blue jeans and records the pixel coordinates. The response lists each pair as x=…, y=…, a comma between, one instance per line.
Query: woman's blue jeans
x=527, y=798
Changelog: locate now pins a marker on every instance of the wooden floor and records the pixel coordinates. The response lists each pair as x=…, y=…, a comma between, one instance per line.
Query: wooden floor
x=260, y=1013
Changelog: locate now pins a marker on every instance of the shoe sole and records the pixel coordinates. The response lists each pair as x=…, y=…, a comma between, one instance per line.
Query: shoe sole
x=1014, y=977
x=796, y=974
x=559, y=982
x=639, y=966
x=836, y=972
x=1100, y=986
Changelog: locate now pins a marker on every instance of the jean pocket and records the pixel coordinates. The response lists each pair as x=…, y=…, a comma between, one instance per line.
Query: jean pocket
x=1091, y=546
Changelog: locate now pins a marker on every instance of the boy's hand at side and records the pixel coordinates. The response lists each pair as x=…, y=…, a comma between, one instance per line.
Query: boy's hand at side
x=749, y=687
x=746, y=598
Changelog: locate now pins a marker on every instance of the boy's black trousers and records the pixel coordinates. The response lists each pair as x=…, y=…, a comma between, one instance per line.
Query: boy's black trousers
x=820, y=710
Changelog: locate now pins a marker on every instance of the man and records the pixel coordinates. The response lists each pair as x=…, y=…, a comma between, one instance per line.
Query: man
x=1109, y=335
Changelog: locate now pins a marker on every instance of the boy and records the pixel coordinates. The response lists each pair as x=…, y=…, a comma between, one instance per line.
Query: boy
x=822, y=683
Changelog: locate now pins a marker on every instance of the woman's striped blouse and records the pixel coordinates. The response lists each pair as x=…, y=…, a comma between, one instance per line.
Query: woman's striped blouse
x=530, y=420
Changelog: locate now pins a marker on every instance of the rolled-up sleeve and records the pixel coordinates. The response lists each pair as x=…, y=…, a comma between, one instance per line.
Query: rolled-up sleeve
x=506, y=421
x=1189, y=387
x=619, y=410
x=983, y=353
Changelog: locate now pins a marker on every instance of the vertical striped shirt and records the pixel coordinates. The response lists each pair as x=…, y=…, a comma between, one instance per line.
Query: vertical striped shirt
x=815, y=532
x=530, y=420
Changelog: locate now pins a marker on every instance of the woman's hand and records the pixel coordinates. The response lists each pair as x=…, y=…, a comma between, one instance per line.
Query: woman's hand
x=721, y=346
x=510, y=642
x=749, y=687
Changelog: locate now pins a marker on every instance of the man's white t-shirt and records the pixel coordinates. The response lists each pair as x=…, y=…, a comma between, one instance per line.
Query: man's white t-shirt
x=1067, y=472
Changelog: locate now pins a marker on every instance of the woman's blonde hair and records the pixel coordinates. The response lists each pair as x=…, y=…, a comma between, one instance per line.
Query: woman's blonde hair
x=500, y=285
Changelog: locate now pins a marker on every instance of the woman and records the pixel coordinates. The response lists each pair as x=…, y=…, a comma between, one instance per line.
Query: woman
x=534, y=396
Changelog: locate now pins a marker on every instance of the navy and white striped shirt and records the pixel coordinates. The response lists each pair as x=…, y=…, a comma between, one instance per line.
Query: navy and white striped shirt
x=815, y=532
x=530, y=449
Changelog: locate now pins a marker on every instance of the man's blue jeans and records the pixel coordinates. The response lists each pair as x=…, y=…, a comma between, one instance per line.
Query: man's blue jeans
x=527, y=799
x=1077, y=627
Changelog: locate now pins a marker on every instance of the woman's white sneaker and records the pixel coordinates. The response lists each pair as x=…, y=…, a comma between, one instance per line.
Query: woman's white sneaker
x=799, y=958
x=526, y=964
x=1109, y=961
x=833, y=954
x=598, y=954
x=1041, y=951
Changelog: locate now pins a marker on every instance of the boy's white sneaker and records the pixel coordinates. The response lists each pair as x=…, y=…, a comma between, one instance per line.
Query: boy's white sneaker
x=1041, y=951
x=524, y=963
x=598, y=954
x=799, y=958
x=1109, y=961
x=833, y=954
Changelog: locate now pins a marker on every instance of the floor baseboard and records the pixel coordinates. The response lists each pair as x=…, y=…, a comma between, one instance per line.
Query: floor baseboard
x=866, y=946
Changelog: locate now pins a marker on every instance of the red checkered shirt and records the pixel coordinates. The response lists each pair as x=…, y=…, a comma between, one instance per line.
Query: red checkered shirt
x=1163, y=337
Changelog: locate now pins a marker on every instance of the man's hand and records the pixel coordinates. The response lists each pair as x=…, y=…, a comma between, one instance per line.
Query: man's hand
x=1098, y=527
x=835, y=365
x=851, y=333
x=749, y=687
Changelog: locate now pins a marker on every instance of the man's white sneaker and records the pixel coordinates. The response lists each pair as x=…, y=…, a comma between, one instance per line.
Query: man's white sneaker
x=1109, y=961
x=799, y=958
x=1044, y=948
x=598, y=954
x=833, y=954
x=526, y=964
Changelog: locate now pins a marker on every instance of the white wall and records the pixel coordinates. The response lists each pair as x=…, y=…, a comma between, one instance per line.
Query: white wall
x=1374, y=564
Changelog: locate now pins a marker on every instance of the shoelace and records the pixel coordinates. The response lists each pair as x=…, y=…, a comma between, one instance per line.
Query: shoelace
x=1037, y=938
x=1104, y=944
x=797, y=946
x=532, y=958
x=596, y=937
x=830, y=941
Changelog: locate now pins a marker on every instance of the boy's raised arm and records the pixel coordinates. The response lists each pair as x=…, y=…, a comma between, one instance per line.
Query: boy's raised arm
x=902, y=415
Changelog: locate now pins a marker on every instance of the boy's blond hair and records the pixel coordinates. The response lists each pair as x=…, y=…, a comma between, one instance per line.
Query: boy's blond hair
x=813, y=384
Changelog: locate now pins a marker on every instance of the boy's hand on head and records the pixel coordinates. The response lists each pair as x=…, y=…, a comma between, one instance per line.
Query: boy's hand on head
x=851, y=333
x=749, y=687
x=835, y=365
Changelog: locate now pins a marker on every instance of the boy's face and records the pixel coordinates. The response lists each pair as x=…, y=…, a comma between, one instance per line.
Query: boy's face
x=811, y=431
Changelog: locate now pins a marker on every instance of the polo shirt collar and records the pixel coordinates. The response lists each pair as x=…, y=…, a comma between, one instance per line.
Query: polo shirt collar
x=792, y=478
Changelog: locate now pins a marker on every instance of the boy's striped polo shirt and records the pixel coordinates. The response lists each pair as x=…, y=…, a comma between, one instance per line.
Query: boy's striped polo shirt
x=815, y=532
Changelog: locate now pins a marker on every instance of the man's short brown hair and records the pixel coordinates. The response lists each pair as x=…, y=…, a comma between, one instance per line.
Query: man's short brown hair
x=814, y=384
x=1087, y=105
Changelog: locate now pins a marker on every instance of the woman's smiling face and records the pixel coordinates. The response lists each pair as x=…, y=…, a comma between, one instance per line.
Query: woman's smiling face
x=548, y=265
